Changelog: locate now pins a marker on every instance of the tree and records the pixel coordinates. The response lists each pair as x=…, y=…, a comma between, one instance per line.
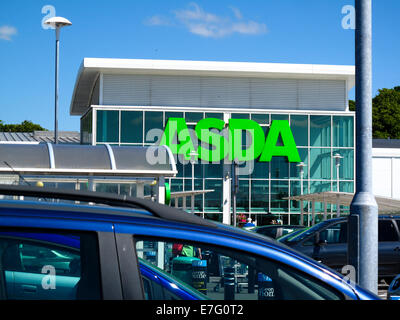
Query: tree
x=385, y=113
x=352, y=105
x=25, y=126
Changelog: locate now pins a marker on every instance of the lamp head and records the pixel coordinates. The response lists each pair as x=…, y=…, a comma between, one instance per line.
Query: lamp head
x=58, y=22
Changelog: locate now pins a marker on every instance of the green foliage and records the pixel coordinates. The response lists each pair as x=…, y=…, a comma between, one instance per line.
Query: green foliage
x=386, y=114
x=25, y=126
x=352, y=105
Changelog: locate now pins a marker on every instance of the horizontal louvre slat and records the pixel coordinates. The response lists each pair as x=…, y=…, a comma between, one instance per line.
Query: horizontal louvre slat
x=223, y=92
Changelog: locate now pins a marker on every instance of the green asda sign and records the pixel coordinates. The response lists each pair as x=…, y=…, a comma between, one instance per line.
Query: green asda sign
x=227, y=142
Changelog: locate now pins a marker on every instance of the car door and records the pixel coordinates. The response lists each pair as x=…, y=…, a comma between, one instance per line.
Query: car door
x=389, y=249
x=238, y=273
x=330, y=246
x=49, y=265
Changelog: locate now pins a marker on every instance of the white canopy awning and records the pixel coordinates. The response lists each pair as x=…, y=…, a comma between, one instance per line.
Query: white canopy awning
x=385, y=205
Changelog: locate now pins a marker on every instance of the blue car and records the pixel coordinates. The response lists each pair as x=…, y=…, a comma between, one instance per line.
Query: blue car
x=118, y=247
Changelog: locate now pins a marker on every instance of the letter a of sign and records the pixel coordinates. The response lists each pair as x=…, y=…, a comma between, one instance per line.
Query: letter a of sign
x=288, y=149
x=177, y=137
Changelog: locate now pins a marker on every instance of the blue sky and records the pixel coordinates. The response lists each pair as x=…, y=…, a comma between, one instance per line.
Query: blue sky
x=284, y=31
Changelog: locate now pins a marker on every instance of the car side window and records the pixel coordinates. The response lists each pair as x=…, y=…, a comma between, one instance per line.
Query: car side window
x=334, y=234
x=219, y=273
x=49, y=266
x=387, y=231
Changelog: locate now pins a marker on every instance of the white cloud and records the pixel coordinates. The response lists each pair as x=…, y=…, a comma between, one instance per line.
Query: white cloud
x=6, y=32
x=157, y=20
x=206, y=24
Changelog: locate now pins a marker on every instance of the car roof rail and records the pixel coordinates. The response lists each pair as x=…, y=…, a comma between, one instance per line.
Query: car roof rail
x=155, y=208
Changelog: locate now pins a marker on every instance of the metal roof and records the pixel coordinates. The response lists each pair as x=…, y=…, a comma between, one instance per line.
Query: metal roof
x=102, y=160
x=385, y=143
x=92, y=67
x=385, y=205
x=64, y=137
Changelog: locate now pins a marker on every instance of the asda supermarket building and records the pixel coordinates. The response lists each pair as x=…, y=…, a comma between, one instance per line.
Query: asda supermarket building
x=130, y=102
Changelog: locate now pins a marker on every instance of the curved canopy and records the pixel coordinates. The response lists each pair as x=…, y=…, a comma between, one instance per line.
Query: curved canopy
x=100, y=160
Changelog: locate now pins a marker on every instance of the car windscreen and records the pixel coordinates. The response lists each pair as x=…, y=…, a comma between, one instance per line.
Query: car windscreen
x=305, y=233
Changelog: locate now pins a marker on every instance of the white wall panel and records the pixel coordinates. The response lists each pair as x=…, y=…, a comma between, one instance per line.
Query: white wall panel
x=382, y=176
x=396, y=178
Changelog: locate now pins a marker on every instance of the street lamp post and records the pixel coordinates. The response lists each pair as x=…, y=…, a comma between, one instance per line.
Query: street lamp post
x=57, y=23
x=337, y=158
x=363, y=219
x=193, y=156
x=301, y=165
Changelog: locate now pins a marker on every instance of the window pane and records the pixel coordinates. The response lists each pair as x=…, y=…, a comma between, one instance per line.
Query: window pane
x=299, y=126
x=279, y=190
x=215, y=115
x=295, y=190
x=213, y=170
x=198, y=200
x=172, y=115
x=176, y=186
x=387, y=231
x=260, y=118
x=319, y=186
x=193, y=116
x=279, y=168
x=132, y=126
x=295, y=169
x=153, y=120
x=261, y=170
x=107, y=126
x=334, y=234
x=320, y=163
x=213, y=200
x=346, y=169
x=343, y=131
x=260, y=195
x=240, y=116
x=87, y=127
x=204, y=271
x=320, y=131
x=49, y=266
x=242, y=197
x=279, y=117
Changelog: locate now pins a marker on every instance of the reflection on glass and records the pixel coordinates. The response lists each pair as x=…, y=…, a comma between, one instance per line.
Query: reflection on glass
x=320, y=131
x=320, y=163
x=346, y=169
x=295, y=169
x=343, y=131
x=299, y=126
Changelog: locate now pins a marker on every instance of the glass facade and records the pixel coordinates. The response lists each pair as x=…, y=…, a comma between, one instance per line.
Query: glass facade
x=264, y=188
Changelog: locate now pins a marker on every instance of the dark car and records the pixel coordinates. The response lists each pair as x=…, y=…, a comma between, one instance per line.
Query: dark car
x=117, y=247
x=327, y=242
x=276, y=231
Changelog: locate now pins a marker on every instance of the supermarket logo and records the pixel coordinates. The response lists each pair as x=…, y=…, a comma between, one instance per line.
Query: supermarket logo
x=239, y=140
